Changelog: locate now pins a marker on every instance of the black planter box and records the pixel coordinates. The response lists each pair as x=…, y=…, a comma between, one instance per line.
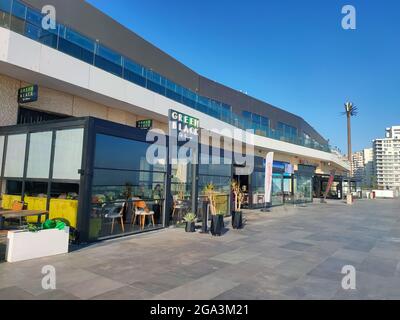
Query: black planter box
x=217, y=225
x=237, y=220
x=190, y=227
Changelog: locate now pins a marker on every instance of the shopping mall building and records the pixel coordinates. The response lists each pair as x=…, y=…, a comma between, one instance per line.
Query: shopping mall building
x=77, y=103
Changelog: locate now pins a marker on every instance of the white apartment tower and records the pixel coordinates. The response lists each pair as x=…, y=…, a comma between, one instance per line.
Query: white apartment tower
x=387, y=159
x=363, y=166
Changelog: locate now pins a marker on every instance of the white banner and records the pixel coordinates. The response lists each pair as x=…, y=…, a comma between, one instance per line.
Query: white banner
x=269, y=163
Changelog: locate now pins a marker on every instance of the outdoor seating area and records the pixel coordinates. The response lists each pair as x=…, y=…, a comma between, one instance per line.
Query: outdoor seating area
x=17, y=216
x=125, y=216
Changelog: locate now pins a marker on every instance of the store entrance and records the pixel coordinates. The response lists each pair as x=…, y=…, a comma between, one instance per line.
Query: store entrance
x=244, y=183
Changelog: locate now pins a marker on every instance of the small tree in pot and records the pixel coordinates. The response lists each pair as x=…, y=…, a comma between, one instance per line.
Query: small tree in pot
x=190, y=219
x=237, y=215
x=217, y=219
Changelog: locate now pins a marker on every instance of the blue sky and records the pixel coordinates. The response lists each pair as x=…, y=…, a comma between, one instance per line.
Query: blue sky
x=293, y=54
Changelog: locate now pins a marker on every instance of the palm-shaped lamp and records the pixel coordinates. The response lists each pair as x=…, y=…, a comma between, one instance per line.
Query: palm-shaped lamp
x=350, y=111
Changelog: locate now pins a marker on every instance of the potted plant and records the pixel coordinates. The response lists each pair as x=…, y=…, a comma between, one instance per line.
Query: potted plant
x=52, y=238
x=217, y=219
x=237, y=215
x=190, y=219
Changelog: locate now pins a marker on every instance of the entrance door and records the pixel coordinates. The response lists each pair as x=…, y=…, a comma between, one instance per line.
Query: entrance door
x=244, y=183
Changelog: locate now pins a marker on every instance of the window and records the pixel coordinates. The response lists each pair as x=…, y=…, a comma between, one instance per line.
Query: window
x=39, y=155
x=18, y=17
x=287, y=132
x=133, y=72
x=256, y=121
x=79, y=40
x=18, y=9
x=247, y=115
x=119, y=153
x=68, y=154
x=219, y=174
x=5, y=5
x=34, y=17
x=15, y=156
x=155, y=82
x=123, y=178
x=174, y=91
x=76, y=45
x=108, y=60
x=32, y=31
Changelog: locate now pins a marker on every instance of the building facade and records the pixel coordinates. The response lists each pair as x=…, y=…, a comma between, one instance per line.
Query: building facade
x=363, y=167
x=77, y=103
x=387, y=160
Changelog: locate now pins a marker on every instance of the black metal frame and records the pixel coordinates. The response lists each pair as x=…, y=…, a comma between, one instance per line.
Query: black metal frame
x=97, y=126
x=50, y=126
x=92, y=127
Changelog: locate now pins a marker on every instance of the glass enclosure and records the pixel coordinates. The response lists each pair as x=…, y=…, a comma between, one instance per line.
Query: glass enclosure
x=218, y=173
x=181, y=191
x=277, y=189
x=128, y=194
x=321, y=185
x=41, y=169
x=95, y=175
x=303, y=189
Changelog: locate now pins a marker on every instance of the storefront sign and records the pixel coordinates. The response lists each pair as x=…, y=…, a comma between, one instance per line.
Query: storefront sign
x=28, y=94
x=144, y=124
x=183, y=126
x=269, y=163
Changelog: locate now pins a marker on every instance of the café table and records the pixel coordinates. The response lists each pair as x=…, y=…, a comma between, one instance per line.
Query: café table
x=11, y=214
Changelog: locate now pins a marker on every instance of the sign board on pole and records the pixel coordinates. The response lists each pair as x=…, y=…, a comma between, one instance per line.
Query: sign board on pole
x=269, y=163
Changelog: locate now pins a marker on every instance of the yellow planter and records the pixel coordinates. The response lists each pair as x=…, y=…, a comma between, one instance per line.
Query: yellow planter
x=34, y=203
x=8, y=201
x=64, y=209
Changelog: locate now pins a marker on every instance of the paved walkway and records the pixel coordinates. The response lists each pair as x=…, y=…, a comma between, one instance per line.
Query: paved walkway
x=291, y=253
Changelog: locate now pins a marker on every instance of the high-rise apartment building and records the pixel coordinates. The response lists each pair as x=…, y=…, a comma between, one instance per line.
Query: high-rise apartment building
x=363, y=166
x=387, y=159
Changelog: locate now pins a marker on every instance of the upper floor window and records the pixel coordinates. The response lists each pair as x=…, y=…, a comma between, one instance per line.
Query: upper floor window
x=256, y=119
x=287, y=131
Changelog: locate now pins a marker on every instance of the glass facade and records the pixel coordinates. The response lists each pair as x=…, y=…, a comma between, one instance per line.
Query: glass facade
x=27, y=21
x=15, y=156
x=68, y=154
x=128, y=194
x=277, y=189
x=30, y=172
x=218, y=173
x=39, y=155
x=286, y=132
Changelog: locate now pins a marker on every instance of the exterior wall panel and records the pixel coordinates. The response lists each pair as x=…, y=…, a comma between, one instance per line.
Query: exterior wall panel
x=8, y=100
